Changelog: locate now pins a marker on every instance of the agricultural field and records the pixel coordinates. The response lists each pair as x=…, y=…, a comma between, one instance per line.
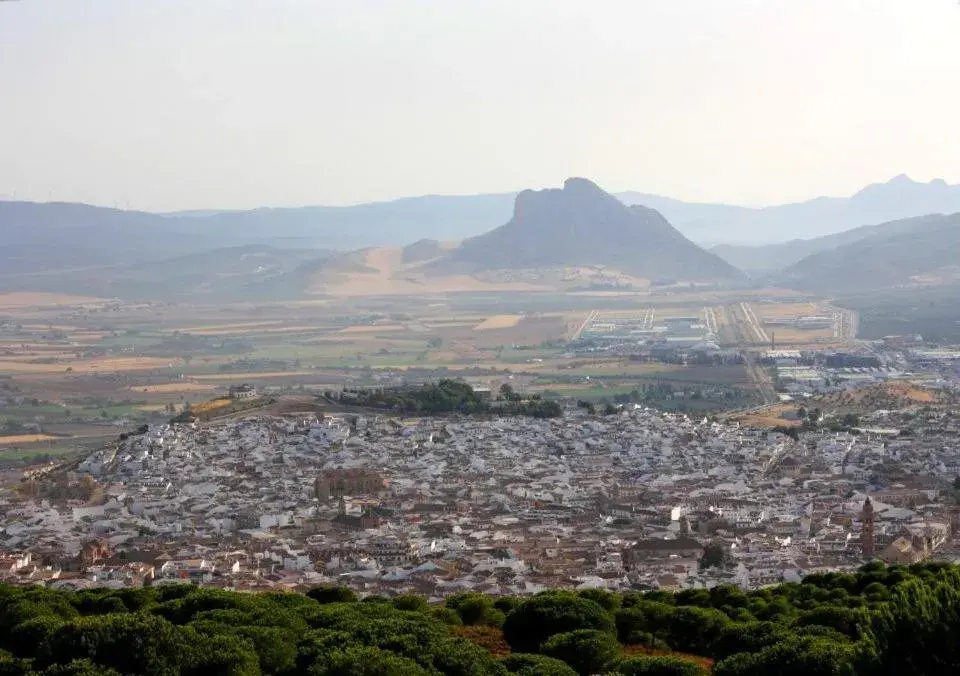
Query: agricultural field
x=75, y=367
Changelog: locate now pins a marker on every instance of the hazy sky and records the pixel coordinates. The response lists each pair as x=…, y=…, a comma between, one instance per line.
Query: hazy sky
x=172, y=104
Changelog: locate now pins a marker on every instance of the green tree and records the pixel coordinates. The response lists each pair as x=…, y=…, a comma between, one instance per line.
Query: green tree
x=275, y=648
x=224, y=653
x=77, y=668
x=474, y=608
x=332, y=595
x=657, y=665
x=643, y=620
x=459, y=657
x=366, y=661
x=606, y=600
x=588, y=651
x=714, y=556
x=410, y=602
x=130, y=643
x=550, y=613
x=527, y=664
x=795, y=657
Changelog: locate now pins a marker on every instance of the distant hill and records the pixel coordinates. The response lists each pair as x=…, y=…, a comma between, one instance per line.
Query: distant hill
x=583, y=225
x=37, y=236
x=228, y=273
x=392, y=223
x=765, y=259
x=710, y=224
x=916, y=252
x=66, y=247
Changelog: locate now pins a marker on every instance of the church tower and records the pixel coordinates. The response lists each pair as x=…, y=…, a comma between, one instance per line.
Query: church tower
x=867, y=537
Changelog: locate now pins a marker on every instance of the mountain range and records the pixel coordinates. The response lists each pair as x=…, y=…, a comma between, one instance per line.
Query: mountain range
x=864, y=241
x=711, y=224
x=37, y=236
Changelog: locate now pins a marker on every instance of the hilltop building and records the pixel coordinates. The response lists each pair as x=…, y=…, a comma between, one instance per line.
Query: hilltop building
x=867, y=536
x=244, y=391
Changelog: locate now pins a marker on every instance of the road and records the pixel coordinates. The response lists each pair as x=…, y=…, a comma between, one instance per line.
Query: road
x=586, y=322
x=742, y=326
x=760, y=377
x=710, y=319
x=648, y=318
x=758, y=329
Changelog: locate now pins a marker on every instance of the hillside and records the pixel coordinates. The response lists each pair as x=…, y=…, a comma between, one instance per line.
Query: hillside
x=581, y=225
x=383, y=271
x=40, y=237
x=36, y=237
x=862, y=401
x=769, y=258
x=863, y=622
x=395, y=222
x=920, y=252
x=711, y=224
x=224, y=273
x=424, y=250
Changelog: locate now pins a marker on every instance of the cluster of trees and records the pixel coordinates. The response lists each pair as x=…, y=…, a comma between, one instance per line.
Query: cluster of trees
x=815, y=419
x=662, y=394
x=217, y=408
x=879, y=620
x=12, y=427
x=449, y=396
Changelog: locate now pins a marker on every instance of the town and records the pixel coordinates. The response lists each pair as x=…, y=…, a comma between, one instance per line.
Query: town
x=635, y=499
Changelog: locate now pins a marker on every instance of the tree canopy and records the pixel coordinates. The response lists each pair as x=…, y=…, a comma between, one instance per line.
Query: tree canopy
x=875, y=621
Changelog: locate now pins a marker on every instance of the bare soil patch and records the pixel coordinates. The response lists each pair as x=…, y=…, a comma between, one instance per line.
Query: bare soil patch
x=27, y=299
x=173, y=387
x=498, y=322
x=26, y=439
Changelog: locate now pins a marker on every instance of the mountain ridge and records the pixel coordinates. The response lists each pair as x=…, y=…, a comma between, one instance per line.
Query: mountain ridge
x=444, y=217
x=581, y=224
x=919, y=251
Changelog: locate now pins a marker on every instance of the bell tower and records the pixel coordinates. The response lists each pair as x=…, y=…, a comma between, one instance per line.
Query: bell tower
x=867, y=536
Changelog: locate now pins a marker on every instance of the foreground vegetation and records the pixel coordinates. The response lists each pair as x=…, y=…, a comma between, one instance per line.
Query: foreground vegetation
x=896, y=620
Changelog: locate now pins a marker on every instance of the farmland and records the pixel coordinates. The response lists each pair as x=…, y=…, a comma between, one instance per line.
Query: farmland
x=72, y=368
